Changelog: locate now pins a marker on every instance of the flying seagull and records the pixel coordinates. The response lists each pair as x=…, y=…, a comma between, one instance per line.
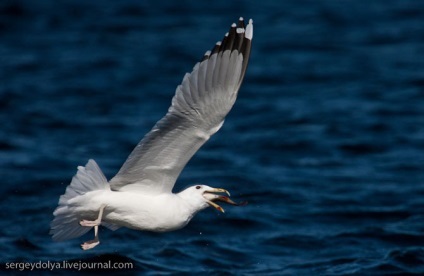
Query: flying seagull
x=140, y=196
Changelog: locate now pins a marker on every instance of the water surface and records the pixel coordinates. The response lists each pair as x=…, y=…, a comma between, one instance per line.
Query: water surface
x=325, y=141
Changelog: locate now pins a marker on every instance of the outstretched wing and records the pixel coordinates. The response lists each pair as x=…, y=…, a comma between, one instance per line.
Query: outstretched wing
x=198, y=109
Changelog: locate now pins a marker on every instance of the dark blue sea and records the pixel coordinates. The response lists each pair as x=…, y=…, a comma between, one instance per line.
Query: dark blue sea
x=325, y=141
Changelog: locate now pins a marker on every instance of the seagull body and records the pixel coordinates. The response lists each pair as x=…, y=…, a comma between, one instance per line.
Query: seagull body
x=140, y=195
x=158, y=213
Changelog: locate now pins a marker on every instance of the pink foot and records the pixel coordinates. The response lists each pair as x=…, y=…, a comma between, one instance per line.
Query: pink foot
x=89, y=244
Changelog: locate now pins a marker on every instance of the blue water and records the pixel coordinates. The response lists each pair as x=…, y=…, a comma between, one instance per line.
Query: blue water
x=325, y=141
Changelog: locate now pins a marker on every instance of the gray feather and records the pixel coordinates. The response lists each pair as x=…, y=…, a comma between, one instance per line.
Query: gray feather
x=198, y=110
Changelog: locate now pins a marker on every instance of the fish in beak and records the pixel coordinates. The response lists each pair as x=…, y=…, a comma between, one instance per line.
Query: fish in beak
x=215, y=194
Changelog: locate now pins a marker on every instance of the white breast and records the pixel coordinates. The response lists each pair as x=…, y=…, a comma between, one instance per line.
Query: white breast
x=157, y=213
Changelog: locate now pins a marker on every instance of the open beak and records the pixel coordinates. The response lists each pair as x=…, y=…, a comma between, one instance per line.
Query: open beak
x=213, y=195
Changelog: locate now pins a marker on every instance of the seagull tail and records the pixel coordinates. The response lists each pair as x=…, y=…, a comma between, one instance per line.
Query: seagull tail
x=65, y=224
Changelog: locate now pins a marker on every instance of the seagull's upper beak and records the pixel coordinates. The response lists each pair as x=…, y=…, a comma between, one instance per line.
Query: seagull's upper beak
x=211, y=195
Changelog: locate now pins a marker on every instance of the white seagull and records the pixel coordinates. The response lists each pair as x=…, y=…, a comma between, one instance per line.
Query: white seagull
x=140, y=196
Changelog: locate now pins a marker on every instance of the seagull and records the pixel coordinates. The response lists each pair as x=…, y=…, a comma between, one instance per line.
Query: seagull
x=140, y=195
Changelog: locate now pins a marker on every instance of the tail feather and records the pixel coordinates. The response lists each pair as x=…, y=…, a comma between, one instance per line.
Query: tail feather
x=65, y=224
x=88, y=178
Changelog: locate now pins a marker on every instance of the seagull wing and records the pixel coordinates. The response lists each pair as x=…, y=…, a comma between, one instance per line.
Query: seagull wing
x=198, y=109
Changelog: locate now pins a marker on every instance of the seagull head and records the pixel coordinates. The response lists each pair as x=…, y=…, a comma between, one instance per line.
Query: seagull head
x=204, y=196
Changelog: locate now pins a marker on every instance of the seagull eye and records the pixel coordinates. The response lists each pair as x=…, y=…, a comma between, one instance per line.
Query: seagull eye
x=198, y=187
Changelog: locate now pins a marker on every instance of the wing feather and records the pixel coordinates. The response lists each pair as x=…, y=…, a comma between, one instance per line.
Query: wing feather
x=198, y=110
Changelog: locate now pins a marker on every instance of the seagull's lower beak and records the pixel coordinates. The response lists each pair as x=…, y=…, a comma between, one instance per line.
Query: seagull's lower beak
x=210, y=197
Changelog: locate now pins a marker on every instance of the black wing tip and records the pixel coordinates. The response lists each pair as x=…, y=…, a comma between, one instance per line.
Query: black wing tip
x=237, y=38
x=240, y=23
x=206, y=55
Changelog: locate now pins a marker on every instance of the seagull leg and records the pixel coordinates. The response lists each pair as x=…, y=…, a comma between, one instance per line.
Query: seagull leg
x=90, y=223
